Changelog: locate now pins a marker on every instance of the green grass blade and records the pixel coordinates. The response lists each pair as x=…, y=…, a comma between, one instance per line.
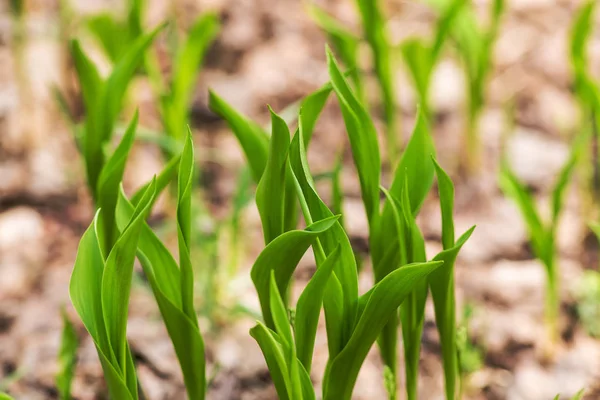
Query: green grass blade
x=308, y=309
x=67, y=358
x=444, y=25
x=270, y=193
x=252, y=138
x=564, y=177
x=581, y=34
x=363, y=139
x=163, y=179
x=384, y=300
x=4, y=396
x=283, y=255
x=417, y=57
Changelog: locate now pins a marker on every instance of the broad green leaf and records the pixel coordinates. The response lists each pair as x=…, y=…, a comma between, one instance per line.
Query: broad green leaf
x=67, y=357
x=282, y=255
x=363, y=139
x=384, y=300
x=108, y=185
x=4, y=396
x=253, y=139
x=270, y=193
x=308, y=309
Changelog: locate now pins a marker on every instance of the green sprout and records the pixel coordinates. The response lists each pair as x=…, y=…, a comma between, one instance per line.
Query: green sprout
x=67, y=358
x=421, y=56
x=542, y=235
x=346, y=46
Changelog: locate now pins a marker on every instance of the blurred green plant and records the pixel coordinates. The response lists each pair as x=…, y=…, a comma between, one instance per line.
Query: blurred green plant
x=542, y=235
x=470, y=355
x=346, y=45
x=475, y=45
x=67, y=358
x=421, y=56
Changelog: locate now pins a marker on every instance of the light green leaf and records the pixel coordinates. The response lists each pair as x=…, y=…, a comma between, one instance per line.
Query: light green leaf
x=67, y=357
x=363, y=139
x=252, y=138
x=308, y=309
x=274, y=356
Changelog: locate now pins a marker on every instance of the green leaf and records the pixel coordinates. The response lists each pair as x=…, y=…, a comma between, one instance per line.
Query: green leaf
x=308, y=309
x=284, y=331
x=564, y=177
x=282, y=255
x=441, y=283
x=512, y=187
x=417, y=57
x=184, y=220
x=270, y=193
x=116, y=284
x=344, y=42
x=311, y=108
x=343, y=287
x=384, y=299
x=186, y=65
x=108, y=185
x=4, y=396
x=274, y=356
x=112, y=35
x=67, y=357
x=252, y=138
x=446, y=193
x=363, y=139
x=376, y=35
x=162, y=179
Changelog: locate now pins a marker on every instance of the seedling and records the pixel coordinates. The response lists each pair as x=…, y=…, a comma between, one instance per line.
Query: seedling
x=421, y=56
x=346, y=45
x=67, y=358
x=395, y=242
x=542, y=235
x=475, y=45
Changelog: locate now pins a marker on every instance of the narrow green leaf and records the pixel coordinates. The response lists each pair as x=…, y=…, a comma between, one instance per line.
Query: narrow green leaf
x=308, y=309
x=310, y=109
x=363, y=139
x=446, y=193
x=270, y=193
x=67, y=357
x=252, y=137
x=108, y=185
x=273, y=353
